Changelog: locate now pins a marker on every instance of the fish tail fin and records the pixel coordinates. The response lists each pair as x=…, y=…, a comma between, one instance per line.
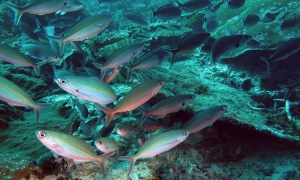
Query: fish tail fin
x=61, y=43
x=266, y=60
x=102, y=68
x=173, y=53
x=129, y=71
x=132, y=160
x=38, y=108
x=101, y=160
x=37, y=68
x=109, y=113
x=145, y=113
x=16, y=10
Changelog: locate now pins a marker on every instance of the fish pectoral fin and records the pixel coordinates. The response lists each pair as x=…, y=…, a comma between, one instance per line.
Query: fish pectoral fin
x=77, y=162
x=58, y=149
x=170, y=143
x=78, y=92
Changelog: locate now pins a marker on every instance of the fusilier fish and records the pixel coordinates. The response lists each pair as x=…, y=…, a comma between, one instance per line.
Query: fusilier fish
x=120, y=56
x=84, y=29
x=71, y=147
x=15, y=96
x=226, y=44
x=42, y=52
x=63, y=22
x=194, y=4
x=125, y=128
x=204, y=118
x=157, y=144
x=107, y=145
x=87, y=88
x=136, y=97
x=188, y=44
x=166, y=106
x=286, y=49
x=148, y=60
x=136, y=17
x=40, y=7
x=167, y=12
x=15, y=57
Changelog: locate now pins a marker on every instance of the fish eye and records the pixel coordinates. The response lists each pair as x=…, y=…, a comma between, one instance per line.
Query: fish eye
x=100, y=142
x=78, y=4
x=42, y=135
x=62, y=81
x=192, y=97
x=185, y=133
x=66, y=4
x=109, y=17
x=183, y=104
x=55, y=57
x=46, y=57
x=160, y=83
x=141, y=46
x=223, y=108
x=120, y=128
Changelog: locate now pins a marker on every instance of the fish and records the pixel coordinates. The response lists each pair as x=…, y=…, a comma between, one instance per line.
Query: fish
x=286, y=49
x=85, y=128
x=28, y=30
x=113, y=73
x=15, y=57
x=235, y=4
x=288, y=23
x=250, y=20
x=81, y=108
x=40, y=7
x=150, y=124
x=6, y=30
x=63, y=22
x=120, y=56
x=156, y=145
x=167, y=12
x=204, y=118
x=71, y=147
x=74, y=6
x=136, y=17
x=42, y=52
x=188, y=43
x=166, y=106
x=136, y=97
x=194, y=4
x=147, y=60
x=226, y=44
x=106, y=131
x=86, y=28
x=15, y=96
x=290, y=88
x=125, y=128
x=107, y=145
x=138, y=139
x=209, y=25
x=87, y=88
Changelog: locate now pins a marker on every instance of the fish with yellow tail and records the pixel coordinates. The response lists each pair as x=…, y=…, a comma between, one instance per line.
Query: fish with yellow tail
x=136, y=97
x=156, y=145
x=15, y=96
x=71, y=147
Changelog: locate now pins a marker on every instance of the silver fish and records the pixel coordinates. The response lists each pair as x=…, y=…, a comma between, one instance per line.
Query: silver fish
x=15, y=57
x=188, y=44
x=15, y=96
x=107, y=145
x=286, y=49
x=120, y=56
x=166, y=106
x=125, y=128
x=71, y=147
x=136, y=97
x=136, y=17
x=204, y=118
x=84, y=29
x=91, y=89
x=157, y=145
x=38, y=7
x=148, y=60
x=226, y=44
x=42, y=52
x=63, y=22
